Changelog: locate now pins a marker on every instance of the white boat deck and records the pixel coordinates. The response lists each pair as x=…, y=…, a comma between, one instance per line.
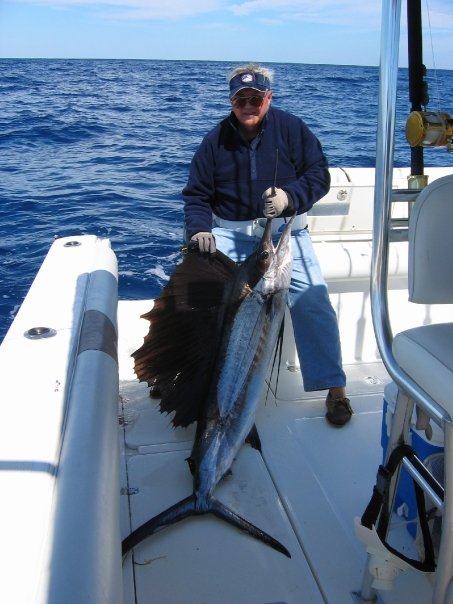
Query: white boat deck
x=306, y=488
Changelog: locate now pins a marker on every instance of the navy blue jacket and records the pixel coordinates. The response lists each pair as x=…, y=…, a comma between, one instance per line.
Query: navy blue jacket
x=229, y=174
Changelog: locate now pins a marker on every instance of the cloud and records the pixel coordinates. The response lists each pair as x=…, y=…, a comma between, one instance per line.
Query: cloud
x=437, y=14
x=323, y=11
x=329, y=10
x=138, y=9
x=441, y=21
x=339, y=13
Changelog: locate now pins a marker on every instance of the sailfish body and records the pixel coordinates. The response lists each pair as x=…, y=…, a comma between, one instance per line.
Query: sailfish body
x=228, y=318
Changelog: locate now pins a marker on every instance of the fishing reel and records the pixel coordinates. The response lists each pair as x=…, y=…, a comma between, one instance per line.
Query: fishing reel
x=429, y=129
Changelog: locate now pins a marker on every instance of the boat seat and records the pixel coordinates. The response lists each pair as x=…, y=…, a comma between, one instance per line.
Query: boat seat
x=425, y=353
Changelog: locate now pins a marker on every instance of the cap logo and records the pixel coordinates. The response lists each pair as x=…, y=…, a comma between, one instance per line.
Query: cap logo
x=247, y=77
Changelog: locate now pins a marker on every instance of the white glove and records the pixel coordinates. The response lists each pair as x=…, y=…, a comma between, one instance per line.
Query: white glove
x=206, y=242
x=274, y=203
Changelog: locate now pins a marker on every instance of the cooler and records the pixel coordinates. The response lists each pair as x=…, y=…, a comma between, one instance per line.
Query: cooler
x=427, y=451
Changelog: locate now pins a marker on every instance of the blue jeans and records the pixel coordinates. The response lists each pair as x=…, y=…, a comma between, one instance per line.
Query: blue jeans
x=314, y=320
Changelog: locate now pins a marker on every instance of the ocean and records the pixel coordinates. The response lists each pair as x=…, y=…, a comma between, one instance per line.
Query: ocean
x=104, y=147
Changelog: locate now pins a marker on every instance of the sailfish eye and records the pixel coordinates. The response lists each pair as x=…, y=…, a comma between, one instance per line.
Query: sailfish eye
x=264, y=255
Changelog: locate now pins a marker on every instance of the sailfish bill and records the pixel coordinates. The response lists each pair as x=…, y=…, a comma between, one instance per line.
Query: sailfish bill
x=212, y=334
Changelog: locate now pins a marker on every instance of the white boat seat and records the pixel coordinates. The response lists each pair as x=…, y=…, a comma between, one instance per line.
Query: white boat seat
x=426, y=354
x=430, y=269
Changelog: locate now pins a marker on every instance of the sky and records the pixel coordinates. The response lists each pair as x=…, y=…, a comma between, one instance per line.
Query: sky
x=343, y=32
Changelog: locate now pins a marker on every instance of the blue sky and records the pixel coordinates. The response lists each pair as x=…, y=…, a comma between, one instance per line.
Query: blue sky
x=299, y=31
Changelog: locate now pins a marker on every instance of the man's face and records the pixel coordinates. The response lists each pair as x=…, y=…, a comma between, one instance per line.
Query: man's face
x=250, y=107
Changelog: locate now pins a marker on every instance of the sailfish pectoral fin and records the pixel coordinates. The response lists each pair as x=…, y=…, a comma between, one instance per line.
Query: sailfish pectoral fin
x=222, y=511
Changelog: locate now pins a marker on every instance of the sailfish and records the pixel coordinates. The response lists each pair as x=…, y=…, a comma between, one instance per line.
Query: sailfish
x=212, y=335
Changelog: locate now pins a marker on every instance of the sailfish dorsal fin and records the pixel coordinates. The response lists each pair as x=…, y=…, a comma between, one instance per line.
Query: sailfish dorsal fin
x=185, y=326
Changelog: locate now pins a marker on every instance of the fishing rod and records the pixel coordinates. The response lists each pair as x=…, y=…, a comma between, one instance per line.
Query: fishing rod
x=275, y=174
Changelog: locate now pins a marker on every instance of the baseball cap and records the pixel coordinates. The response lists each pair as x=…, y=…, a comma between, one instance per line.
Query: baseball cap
x=249, y=79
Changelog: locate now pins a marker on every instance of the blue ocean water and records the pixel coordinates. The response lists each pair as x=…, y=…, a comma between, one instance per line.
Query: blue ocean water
x=104, y=146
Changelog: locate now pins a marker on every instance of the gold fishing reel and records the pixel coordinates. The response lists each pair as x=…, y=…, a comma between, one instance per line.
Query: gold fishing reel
x=429, y=129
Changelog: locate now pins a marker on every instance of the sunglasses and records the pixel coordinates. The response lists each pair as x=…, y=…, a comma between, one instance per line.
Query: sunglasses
x=241, y=101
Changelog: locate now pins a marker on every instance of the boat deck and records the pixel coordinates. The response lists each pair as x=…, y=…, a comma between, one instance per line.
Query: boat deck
x=305, y=489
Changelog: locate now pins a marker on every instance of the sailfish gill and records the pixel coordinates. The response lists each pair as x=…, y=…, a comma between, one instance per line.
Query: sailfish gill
x=212, y=334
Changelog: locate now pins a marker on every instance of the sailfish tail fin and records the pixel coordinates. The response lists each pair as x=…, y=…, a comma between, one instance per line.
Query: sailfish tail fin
x=187, y=507
x=222, y=511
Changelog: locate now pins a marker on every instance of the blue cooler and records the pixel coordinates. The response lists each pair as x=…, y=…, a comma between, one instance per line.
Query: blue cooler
x=405, y=502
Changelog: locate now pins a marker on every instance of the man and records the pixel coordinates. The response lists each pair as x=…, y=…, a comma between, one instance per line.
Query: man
x=231, y=185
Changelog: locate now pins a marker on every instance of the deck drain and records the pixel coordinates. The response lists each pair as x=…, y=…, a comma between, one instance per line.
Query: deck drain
x=38, y=333
x=73, y=243
x=372, y=379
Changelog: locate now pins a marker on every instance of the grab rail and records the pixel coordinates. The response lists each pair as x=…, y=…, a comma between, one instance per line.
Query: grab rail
x=381, y=216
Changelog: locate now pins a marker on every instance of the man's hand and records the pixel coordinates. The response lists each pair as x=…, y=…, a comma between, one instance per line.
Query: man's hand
x=206, y=242
x=275, y=202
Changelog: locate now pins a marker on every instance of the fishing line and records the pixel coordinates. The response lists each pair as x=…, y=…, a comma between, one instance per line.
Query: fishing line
x=278, y=352
x=436, y=82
